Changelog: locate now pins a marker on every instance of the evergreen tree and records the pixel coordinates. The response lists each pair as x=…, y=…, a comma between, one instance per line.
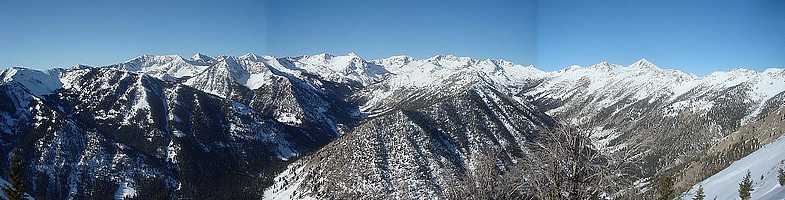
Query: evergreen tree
x=781, y=177
x=665, y=189
x=699, y=195
x=16, y=190
x=745, y=187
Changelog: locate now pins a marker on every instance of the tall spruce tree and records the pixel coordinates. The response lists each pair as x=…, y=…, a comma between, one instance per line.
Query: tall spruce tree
x=699, y=195
x=665, y=189
x=781, y=177
x=745, y=187
x=16, y=190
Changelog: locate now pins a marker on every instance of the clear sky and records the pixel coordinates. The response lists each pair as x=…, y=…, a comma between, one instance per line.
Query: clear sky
x=697, y=36
x=44, y=34
x=419, y=28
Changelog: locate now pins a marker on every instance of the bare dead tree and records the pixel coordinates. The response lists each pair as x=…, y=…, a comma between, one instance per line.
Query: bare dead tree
x=488, y=181
x=566, y=164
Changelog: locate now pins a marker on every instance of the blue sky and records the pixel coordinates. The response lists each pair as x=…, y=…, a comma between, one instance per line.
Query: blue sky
x=376, y=29
x=697, y=36
x=55, y=33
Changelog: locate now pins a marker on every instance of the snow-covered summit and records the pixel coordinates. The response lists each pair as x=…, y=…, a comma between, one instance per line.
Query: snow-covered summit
x=202, y=58
x=251, y=56
x=394, y=63
x=604, y=66
x=643, y=63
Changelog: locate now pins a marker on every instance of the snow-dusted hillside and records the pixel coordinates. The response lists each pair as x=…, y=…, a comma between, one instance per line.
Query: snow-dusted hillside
x=420, y=148
x=763, y=164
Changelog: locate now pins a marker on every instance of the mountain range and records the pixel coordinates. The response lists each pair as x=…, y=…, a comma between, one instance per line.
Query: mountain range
x=337, y=127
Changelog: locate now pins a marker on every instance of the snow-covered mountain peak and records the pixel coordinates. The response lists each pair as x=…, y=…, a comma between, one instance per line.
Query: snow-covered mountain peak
x=776, y=72
x=499, y=62
x=350, y=67
x=156, y=58
x=742, y=71
x=450, y=58
x=229, y=62
x=268, y=57
x=571, y=68
x=353, y=54
x=643, y=63
x=221, y=57
x=394, y=63
x=318, y=58
x=739, y=73
x=605, y=66
x=80, y=66
x=452, y=62
x=251, y=56
x=643, y=66
x=350, y=57
x=201, y=57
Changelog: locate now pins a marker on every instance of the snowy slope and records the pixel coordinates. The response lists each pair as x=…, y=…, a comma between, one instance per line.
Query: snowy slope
x=762, y=163
x=220, y=78
x=38, y=82
x=19, y=88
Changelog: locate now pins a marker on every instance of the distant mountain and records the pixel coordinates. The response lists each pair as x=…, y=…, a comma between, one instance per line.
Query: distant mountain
x=327, y=126
x=36, y=82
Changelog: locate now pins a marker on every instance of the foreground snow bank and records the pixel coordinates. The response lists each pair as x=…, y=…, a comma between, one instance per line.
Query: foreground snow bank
x=764, y=163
